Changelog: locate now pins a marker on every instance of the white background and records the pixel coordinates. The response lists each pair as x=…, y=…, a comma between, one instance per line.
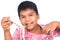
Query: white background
x=49, y=10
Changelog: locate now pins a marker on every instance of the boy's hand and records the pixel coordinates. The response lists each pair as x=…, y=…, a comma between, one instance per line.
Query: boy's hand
x=50, y=27
x=5, y=22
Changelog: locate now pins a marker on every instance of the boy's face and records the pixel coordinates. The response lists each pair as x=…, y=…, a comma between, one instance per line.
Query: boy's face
x=29, y=18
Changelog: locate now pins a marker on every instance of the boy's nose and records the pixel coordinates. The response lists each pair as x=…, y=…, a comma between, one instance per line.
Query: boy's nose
x=27, y=19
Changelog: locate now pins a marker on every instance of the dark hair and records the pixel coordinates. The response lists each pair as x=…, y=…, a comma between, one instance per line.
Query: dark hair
x=27, y=4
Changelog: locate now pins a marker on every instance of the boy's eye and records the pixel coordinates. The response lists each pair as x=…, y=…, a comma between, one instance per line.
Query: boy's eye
x=31, y=15
x=22, y=17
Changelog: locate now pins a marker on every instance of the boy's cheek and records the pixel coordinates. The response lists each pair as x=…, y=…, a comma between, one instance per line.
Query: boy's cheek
x=22, y=21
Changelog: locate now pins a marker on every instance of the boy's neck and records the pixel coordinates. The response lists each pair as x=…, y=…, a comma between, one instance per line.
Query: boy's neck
x=37, y=30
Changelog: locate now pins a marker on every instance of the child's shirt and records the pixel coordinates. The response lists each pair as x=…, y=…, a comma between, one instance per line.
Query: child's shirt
x=32, y=36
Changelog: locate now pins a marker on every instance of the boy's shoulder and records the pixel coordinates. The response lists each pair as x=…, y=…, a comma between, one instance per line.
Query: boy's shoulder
x=17, y=30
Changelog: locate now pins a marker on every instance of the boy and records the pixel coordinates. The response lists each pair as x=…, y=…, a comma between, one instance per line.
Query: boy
x=28, y=15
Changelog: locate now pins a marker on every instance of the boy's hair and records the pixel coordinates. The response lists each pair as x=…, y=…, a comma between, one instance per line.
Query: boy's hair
x=25, y=5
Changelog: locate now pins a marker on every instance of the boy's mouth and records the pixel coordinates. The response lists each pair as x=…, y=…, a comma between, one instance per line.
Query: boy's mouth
x=29, y=24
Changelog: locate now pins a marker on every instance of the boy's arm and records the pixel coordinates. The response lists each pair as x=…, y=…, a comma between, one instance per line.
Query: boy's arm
x=5, y=23
x=50, y=27
x=7, y=34
x=57, y=30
